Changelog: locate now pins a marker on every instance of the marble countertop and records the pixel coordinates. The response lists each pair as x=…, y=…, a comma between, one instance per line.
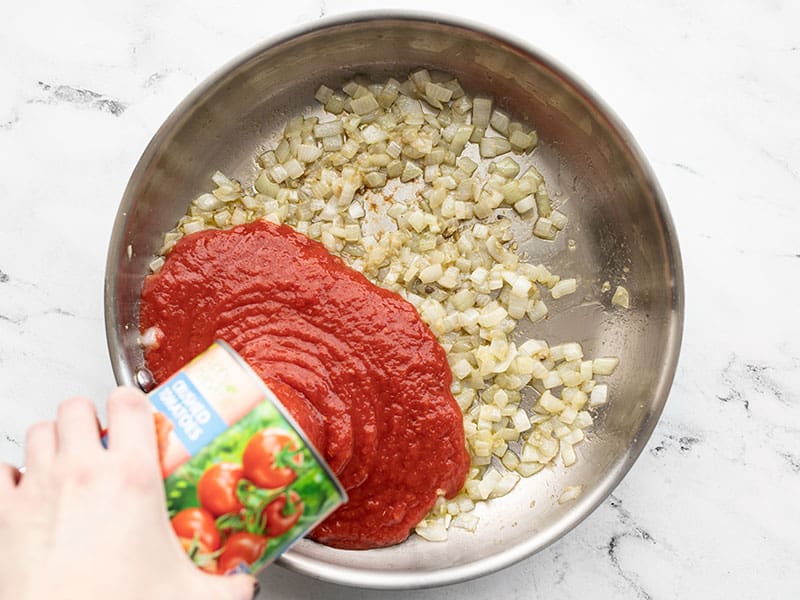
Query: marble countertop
x=713, y=97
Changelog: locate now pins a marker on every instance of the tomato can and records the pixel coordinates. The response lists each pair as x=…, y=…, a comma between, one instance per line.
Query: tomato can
x=242, y=480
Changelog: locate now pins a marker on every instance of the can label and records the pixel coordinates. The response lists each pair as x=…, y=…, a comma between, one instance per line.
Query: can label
x=242, y=481
x=196, y=421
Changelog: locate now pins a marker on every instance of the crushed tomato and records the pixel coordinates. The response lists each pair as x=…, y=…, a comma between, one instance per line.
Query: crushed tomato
x=353, y=363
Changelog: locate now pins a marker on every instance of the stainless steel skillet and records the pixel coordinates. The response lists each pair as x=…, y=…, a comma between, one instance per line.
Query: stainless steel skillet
x=619, y=222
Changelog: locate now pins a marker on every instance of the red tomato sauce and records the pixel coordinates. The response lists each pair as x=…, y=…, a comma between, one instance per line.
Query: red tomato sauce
x=353, y=363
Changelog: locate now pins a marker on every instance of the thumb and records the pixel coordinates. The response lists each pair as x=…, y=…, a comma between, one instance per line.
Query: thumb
x=234, y=587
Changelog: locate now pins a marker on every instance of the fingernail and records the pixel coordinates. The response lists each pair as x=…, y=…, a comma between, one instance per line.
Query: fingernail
x=145, y=379
x=256, y=589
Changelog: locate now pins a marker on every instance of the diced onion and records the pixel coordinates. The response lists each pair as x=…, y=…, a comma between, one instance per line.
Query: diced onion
x=365, y=104
x=466, y=521
x=599, y=395
x=491, y=147
x=328, y=128
x=437, y=93
x=433, y=530
x=544, y=228
x=499, y=122
x=323, y=94
x=150, y=339
x=558, y=219
x=605, y=366
x=621, y=297
x=571, y=492
x=564, y=287
x=481, y=112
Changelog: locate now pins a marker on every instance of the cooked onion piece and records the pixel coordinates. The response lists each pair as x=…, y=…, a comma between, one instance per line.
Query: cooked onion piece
x=621, y=297
x=571, y=492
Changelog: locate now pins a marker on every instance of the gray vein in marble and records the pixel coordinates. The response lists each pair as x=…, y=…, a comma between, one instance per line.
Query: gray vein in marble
x=760, y=377
x=559, y=569
x=12, y=440
x=634, y=531
x=155, y=78
x=624, y=516
x=50, y=311
x=641, y=593
x=686, y=168
x=685, y=444
x=783, y=164
x=733, y=395
x=10, y=123
x=793, y=460
x=82, y=97
x=3, y=277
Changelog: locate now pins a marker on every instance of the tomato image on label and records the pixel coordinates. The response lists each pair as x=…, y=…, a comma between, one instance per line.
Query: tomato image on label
x=271, y=459
x=197, y=523
x=200, y=554
x=283, y=513
x=241, y=547
x=216, y=489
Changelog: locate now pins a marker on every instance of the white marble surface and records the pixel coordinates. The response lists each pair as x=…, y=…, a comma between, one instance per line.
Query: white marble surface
x=713, y=96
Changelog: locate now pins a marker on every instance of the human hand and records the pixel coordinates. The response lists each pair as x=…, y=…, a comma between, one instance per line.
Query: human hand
x=86, y=522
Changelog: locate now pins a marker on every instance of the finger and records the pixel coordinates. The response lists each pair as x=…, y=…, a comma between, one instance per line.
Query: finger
x=9, y=478
x=40, y=448
x=130, y=423
x=76, y=427
x=234, y=587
